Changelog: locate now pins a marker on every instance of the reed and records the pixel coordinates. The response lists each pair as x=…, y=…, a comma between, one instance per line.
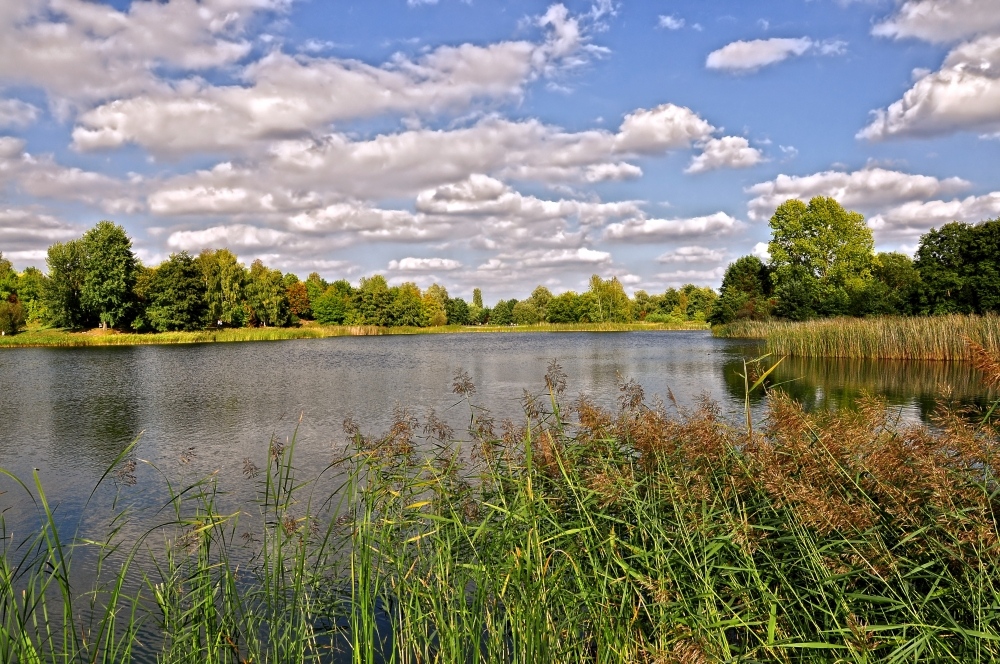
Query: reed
x=902, y=338
x=642, y=533
x=44, y=337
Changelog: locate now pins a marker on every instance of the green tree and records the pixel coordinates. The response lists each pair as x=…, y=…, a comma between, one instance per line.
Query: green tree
x=477, y=298
x=458, y=311
x=225, y=281
x=893, y=288
x=315, y=286
x=822, y=250
x=176, y=295
x=373, y=301
x=959, y=267
x=745, y=292
x=109, y=273
x=265, y=296
x=502, y=313
x=63, y=290
x=526, y=313
x=334, y=306
x=298, y=300
x=11, y=310
x=408, y=307
x=608, y=301
x=31, y=293
x=563, y=308
x=435, y=298
x=8, y=278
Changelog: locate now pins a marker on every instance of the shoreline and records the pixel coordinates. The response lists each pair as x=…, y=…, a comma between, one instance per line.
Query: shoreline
x=56, y=338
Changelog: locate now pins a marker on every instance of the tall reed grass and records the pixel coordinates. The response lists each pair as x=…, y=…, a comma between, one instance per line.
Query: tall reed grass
x=890, y=337
x=42, y=337
x=643, y=533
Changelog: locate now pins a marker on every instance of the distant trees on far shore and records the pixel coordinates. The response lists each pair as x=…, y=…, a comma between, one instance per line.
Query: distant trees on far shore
x=97, y=280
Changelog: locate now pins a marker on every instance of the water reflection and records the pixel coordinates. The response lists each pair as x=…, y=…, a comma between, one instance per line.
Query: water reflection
x=833, y=383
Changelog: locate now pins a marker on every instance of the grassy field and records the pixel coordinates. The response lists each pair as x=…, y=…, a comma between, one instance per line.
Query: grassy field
x=39, y=336
x=903, y=338
x=637, y=534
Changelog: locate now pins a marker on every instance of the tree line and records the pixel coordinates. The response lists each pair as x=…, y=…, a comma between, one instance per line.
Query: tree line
x=97, y=280
x=823, y=263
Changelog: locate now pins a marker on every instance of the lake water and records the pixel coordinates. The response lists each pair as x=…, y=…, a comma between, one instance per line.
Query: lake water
x=204, y=408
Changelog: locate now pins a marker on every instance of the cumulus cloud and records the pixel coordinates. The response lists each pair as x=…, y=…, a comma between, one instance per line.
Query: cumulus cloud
x=642, y=230
x=286, y=96
x=911, y=219
x=744, y=56
x=666, y=127
x=681, y=277
x=941, y=20
x=26, y=234
x=725, y=152
x=16, y=113
x=692, y=254
x=81, y=51
x=868, y=188
x=410, y=264
x=963, y=95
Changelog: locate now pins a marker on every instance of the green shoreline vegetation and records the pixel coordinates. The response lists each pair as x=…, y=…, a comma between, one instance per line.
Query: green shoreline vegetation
x=581, y=534
x=37, y=336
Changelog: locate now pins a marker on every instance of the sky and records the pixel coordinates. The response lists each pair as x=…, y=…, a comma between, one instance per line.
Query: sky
x=498, y=145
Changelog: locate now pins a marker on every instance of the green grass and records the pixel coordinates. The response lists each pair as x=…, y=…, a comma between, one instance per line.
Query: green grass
x=637, y=534
x=36, y=336
x=903, y=338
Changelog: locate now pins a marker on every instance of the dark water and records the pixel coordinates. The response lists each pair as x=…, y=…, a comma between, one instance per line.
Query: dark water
x=204, y=408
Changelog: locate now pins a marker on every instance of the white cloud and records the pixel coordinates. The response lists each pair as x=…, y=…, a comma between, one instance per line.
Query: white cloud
x=287, y=96
x=868, y=188
x=914, y=218
x=761, y=252
x=16, y=113
x=25, y=234
x=670, y=22
x=80, y=51
x=410, y=264
x=666, y=127
x=692, y=254
x=642, y=230
x=740, y=56
x=964, y=94
x=941, y=20
x=725, y=152
x=698, y=277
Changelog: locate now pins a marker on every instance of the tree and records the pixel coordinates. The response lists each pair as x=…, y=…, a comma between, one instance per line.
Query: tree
x=821, y=250
x=502, y=313
x=176, y=295
x=407, y=306
x=298, y=300
x=526, y=313
x=109, y=273
x=745, y=292
x=373, y=301
x=609, y=303
x=477, y=298
x=563, y=308
x=63, y=290
x=959, y=267
x=225, y=286
x=266, y=298
x=458, y=311
x=893, y=288
x=31, y=293
x=334, y=306
x=315, y=286
x=11, y=310
x=8, y=278
x=434, y=299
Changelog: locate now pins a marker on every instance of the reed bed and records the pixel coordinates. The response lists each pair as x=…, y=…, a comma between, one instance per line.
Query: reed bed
x=42, y=337
x=890, y=337
x=643, y=533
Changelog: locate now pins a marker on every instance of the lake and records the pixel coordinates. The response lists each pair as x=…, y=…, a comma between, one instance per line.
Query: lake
x=205, y=408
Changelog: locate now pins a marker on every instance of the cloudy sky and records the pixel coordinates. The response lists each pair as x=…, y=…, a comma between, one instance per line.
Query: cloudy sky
x=492, y=144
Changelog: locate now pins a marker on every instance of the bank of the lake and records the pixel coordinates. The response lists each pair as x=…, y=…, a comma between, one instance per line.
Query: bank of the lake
x=885, y=337
x=40, y=337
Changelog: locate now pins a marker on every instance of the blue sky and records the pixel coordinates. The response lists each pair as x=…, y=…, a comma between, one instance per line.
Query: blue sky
x=491, y=145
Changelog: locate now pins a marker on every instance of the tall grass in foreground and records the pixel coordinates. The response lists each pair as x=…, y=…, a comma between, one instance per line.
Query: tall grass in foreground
x=889, y=337
x=638, y=534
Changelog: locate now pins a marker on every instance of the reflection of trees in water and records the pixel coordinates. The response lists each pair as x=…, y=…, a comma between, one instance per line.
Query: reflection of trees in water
x=837, y=383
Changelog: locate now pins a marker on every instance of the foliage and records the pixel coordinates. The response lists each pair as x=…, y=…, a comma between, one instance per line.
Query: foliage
x=266, y=301
x=109, y=273
x=745, y=292
x=457, y=310
x=372, y=301
x=177, y=295
x=503, y=313
x=563, y=308
x=821, y=258
x=225, y=280
x=31, y=294
x=66, y=263
x=959, y=267
x=477, y=298
x=298, y=300
x=408, y=307
x=608, y=301
x=334, y=306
